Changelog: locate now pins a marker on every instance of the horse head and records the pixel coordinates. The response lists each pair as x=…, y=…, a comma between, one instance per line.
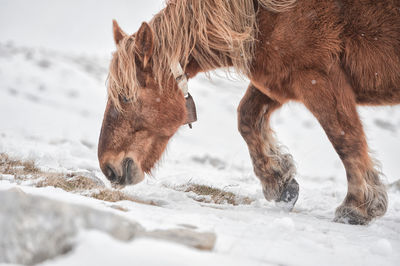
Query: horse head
x=140, y=116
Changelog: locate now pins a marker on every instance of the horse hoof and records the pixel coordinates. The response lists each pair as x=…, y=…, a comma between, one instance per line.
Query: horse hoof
x=350, y=215
x=289, y=196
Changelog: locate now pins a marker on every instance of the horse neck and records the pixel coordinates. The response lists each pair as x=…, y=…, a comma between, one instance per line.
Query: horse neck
x=262, y=31
x=210, y=52
x=193, y=68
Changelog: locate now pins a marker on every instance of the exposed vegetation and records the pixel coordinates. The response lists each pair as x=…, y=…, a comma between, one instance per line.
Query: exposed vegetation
x=68, y=182
x=83, y=185
x=27, y=170
x=208, y=194
x=116, y=195
x=17, y=168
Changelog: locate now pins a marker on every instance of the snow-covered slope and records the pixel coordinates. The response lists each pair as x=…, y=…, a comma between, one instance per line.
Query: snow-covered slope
x=51, y=106
x=51, y=110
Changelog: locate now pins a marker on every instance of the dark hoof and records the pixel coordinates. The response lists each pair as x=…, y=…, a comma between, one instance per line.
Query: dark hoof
x=289, y=196
x=350, y=215
x=375, y=206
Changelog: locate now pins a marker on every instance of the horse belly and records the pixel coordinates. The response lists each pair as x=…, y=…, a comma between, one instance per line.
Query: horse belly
x=371, y=55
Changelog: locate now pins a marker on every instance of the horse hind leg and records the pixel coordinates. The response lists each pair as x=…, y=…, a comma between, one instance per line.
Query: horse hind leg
x=333, y=103
x=274, y=168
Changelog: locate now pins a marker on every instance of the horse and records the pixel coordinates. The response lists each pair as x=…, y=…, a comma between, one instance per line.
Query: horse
x=328, y=55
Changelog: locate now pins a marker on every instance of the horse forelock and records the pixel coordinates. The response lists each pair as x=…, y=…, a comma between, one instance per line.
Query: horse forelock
x=216, y=33
x=122, y=78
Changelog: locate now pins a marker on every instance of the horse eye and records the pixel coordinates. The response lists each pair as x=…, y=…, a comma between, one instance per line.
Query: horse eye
x=126, y=100
x=136, y=130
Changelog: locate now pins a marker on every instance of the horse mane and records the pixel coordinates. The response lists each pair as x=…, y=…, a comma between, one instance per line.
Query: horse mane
x=215, y=33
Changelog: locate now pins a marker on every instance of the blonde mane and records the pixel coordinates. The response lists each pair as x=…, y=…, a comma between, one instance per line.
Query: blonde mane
x=215, y=33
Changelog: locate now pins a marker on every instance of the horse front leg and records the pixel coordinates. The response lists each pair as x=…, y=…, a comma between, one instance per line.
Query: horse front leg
x=274, y=168
x=332, y=101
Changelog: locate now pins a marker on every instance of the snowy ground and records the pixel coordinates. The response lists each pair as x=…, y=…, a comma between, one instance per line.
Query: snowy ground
x=52, y=99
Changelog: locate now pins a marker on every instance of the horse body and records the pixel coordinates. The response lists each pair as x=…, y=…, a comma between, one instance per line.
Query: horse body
x=359, y=38
x=329, y=55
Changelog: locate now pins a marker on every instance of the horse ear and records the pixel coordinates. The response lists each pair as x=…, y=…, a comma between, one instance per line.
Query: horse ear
x=145, y=42
x=118, y=33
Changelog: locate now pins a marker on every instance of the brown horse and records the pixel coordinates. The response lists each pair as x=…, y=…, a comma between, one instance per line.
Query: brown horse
x=329, y=55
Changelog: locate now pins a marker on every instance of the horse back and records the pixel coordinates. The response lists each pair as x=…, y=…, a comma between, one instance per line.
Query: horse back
x=362, y=36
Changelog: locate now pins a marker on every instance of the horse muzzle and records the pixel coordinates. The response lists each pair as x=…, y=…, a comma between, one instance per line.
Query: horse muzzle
x=126, y=173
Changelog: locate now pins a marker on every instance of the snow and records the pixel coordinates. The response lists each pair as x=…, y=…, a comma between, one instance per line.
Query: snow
x=53, y=66
x=382, y=247
x=73, y=26
x=138, y=252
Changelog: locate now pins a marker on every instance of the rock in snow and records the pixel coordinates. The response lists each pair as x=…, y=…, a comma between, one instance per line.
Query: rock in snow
x=37, y=228
x=203, y=241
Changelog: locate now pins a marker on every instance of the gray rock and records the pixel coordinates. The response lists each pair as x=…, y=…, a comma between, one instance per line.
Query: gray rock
x=203, y=241
x=395, y=186
x=34, y=229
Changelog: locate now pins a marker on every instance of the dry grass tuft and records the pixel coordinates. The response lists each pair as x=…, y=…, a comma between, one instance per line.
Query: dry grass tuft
x=111, y=195
x=215, y=195
x=68, y=183
x=18, y=168
x=30, y=167
x=116, y=195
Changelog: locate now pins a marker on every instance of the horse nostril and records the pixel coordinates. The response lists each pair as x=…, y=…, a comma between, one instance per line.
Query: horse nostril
x=126, y=173
x=111, y=173
x=127, y=165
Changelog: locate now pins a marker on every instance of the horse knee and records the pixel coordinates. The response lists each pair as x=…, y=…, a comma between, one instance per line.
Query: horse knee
x=244, y=121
